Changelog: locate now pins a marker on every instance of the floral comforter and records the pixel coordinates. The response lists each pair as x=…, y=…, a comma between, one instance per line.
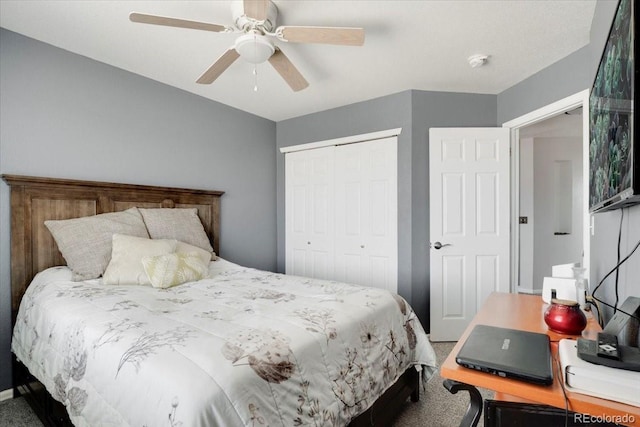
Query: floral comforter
x=243, y=347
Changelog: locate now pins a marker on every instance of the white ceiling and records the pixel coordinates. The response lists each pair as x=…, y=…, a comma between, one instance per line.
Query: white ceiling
x=419, y=44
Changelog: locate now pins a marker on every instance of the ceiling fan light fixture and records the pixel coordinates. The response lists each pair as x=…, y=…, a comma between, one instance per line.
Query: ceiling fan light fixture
x=254, y=48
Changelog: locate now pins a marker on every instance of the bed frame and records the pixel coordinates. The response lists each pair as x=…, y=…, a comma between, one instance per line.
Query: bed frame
x=37, y=199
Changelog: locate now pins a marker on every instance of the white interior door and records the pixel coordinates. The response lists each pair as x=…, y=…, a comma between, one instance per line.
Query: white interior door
x=469, y=224
x=309, y=215
x=366, y=213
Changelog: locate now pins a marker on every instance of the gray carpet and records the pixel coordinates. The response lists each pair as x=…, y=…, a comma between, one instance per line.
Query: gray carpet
x=436, y=408
x=17, y=413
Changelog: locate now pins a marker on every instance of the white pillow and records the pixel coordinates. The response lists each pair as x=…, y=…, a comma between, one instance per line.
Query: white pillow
x=85, y=243
x=165, y=271
x=125, y=267
x=181, y=224
x=205, y=256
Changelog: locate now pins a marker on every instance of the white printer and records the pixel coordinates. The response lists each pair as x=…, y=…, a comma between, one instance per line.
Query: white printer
x=596, y=380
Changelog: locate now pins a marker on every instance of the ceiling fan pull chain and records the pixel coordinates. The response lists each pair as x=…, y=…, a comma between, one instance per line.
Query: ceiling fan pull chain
x=255, y=77
x=255, y=65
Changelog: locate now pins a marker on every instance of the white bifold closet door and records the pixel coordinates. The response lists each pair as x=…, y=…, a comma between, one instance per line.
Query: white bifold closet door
x=309, y=213
x=366, y=246
x=342, y=213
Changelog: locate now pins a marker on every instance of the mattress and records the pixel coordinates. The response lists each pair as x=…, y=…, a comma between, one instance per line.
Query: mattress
x=242, y=347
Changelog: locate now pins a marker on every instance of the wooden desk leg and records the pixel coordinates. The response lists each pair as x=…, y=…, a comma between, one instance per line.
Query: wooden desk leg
x=472, y=416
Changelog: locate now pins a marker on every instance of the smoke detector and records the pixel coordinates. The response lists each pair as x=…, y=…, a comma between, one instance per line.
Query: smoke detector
x=477, y=60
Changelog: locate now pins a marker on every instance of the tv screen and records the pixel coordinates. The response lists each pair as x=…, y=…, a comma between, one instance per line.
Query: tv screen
x=613, y=174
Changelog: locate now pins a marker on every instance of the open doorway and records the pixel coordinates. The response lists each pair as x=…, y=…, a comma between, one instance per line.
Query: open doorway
x=572, y=105
x=550, y=218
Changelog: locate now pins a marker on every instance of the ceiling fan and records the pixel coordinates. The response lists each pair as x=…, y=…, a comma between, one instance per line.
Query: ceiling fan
x=256, y=20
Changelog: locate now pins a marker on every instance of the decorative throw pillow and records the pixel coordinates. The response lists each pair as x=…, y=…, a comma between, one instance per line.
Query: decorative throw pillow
x=85, y=243
x=169, y=270
x=180, y=224
x=205, y=256
x=125, y=267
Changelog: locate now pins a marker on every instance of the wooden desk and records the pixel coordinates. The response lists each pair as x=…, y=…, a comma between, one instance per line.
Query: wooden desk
x=526, y=312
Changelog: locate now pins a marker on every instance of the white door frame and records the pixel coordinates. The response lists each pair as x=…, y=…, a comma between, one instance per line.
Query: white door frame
x=580, y=99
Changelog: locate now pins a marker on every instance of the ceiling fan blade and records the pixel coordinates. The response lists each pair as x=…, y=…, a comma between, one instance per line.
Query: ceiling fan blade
x=175, y=22
x=288, y=71
x=328, y=35
x=256, y=9
x=218, y=67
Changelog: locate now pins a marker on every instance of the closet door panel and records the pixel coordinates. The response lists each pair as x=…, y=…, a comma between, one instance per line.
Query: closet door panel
x=381, y=273
x=383, y=214
x=297, y=264
x=320, y=242
x=309, y=213
x=383, y=220
x=366, y=213
x=351, y=197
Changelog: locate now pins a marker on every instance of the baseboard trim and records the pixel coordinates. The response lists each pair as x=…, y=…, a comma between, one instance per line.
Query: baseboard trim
x=6, y=394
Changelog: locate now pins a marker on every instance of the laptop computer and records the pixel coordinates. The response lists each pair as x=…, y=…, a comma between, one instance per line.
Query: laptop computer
x=508, y=353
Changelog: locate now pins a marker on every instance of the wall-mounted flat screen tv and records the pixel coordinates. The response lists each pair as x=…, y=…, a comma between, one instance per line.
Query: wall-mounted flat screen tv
x=614, y=178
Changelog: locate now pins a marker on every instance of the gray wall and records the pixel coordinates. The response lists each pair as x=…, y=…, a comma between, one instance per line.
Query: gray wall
x=566, y=77
x=63, y=115
x=415, y=112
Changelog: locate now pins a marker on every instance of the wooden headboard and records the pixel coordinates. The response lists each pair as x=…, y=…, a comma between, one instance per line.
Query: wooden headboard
x=35, y=200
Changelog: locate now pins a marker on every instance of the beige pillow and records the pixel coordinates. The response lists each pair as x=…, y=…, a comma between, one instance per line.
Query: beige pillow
x=125, y=267
x=169, y=270
x=180, y=224
x=205, y=256
x=85, y=243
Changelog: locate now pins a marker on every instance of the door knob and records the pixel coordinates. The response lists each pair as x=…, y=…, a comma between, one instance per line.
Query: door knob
x=438, y=245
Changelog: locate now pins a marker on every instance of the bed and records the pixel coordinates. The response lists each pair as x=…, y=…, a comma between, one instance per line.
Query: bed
x=238, y=347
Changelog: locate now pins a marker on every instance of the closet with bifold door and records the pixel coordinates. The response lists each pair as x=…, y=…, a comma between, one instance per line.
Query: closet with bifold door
x=341, y=210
